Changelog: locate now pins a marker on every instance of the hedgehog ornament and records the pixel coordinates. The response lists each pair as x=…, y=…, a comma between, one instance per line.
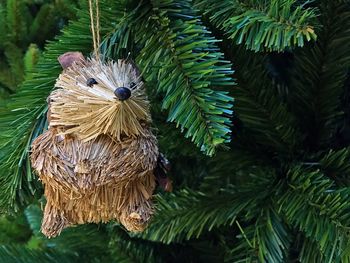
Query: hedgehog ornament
x=98, y=160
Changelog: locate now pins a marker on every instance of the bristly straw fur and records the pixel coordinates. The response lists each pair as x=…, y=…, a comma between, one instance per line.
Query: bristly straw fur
x=97, y=158
x=91, y=111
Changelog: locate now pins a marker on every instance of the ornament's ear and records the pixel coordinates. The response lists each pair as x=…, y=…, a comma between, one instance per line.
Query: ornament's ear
x=133, y=64
x=67, y=59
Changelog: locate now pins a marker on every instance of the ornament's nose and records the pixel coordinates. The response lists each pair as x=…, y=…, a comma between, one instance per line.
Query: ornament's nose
x=122, y=93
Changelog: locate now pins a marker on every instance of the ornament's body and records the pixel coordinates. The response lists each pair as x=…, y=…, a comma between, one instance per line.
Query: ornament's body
x=98, y=156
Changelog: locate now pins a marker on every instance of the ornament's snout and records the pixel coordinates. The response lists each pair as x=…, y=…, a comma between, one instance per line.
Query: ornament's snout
x=122, y=93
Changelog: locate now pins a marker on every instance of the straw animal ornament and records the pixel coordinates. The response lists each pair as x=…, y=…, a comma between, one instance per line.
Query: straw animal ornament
x=98, y=160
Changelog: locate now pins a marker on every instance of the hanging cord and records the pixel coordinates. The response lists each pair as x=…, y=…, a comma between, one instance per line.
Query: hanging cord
x=95, y=26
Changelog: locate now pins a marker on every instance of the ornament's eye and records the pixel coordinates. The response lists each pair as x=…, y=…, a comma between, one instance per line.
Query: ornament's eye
x=122, y=93
x=132, y=85
x=90, y=82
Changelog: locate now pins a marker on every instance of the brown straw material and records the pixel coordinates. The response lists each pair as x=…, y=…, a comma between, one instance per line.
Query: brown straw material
x=96, y=160
x=91, y=111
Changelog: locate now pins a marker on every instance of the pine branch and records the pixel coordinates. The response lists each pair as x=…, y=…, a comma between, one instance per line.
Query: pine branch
x=126, y=249
x=271, y=237
x=34, y=216
x=4, y=92
x=88, y=241
x=3, y=28
x=262, y=25
x=239, y=168
x=120, y=42
x=6, y=79
x=337, y=161
x=310, y=203
x=30, y=59
x=310, y=253
x=14, y=58
x=17, y=18
x=182, y=55
x=36, y=31
x=188, y=213
x=267, y=240
x=243, y=250
x=336, y=165
x=21, y=24
x=316, y=99
x=21, y=254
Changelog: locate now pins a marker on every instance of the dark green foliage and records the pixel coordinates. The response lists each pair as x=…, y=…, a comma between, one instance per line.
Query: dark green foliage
x=93, y=244
x=267, y=240
x=335, y=164
x=315, y=99
x=20, y=254
x=279, y=192
x=318, y=210
x=262, y=112
x=25, y=26
x=14, y=229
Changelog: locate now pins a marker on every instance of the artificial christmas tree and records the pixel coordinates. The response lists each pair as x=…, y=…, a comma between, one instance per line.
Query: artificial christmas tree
x=268, y=182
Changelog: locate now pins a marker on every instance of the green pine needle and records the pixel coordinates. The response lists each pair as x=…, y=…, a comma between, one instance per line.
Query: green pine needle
x=263, y=25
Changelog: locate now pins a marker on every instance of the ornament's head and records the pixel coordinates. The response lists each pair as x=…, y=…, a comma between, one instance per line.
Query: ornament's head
x=95, y=97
